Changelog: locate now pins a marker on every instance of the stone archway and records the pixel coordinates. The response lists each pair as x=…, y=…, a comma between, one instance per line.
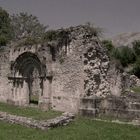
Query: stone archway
x=28, y=74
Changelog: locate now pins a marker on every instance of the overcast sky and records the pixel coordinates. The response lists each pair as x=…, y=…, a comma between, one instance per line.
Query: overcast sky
x=115, y=16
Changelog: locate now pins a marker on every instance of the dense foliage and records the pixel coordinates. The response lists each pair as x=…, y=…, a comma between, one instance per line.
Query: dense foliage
x=108, y=45
x=27, y=29
x=126, y=55
x=27, y=26
x=22, y=26
x=61, y=36
x=136, y=67
x=136, y=47
x=5, y=27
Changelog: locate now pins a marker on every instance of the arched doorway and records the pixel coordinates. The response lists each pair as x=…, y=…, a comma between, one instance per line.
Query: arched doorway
x=27, y=78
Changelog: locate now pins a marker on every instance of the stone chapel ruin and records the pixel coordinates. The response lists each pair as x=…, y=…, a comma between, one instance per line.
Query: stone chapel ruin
x=75, y=75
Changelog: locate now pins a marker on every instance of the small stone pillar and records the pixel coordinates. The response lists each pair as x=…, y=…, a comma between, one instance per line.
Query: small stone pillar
x=45, y=101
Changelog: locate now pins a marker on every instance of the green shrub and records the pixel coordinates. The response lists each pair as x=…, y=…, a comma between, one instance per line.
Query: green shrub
x=136, y=68
x=26, y=25
x=125, y=54
x=30, y=41
x=50, y=35
x=136, y=47
x=108, y=45
x=3, y=40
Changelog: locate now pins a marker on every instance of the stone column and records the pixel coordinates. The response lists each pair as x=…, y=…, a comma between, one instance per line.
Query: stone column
x=25, y=94
x=46, y=100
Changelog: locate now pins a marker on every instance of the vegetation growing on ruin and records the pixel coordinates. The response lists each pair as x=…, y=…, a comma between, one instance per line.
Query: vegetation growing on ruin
x=34, y=113
x=27, y=30
x=108, y=45
x=93, y=30
x=80, y=129
x=26, y=25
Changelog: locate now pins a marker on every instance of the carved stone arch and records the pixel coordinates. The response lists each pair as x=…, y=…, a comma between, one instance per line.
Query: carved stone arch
x=22, y=77
x=25, y=64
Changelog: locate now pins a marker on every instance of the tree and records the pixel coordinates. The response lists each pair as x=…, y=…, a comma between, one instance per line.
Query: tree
x=136, y=47
x=108, y=45
x=125, y=54
x=27, y=26
x=5, y=27
x=136, y=68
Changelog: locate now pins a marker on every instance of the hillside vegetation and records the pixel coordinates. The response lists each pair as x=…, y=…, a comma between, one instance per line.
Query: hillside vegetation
x=128, y=57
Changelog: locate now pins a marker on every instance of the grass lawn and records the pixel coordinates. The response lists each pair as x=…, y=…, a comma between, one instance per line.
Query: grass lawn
x=80, y=129
x=136, y=89
x=34, y=113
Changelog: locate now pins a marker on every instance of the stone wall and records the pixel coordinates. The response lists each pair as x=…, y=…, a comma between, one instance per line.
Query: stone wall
x=67, y=72
x=4, y=71
x=82, y=72
x=13, y=85
x=120, y=81
x=62, y=120
x=126, y=107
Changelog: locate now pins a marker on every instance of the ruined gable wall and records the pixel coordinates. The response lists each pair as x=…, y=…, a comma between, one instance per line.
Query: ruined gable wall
x=81, y=69
x=82, y=73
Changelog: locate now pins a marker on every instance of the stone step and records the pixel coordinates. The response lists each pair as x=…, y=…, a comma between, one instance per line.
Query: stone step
x=88, y=112
x=126, y=114
x=135, y=105
x=133, y=113
x=89, y=102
